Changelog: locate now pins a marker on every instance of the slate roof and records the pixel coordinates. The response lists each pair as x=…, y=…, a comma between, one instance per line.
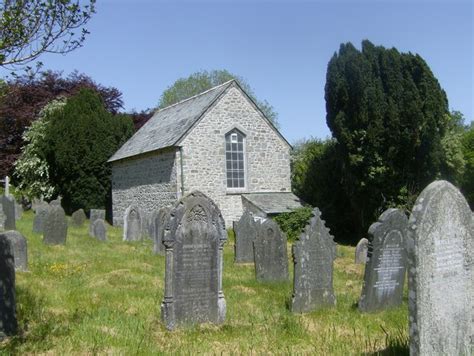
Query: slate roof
x=274, y=203
x=168, y=125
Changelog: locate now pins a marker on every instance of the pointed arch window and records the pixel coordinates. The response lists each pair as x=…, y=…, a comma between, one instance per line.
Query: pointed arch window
x=235, y=159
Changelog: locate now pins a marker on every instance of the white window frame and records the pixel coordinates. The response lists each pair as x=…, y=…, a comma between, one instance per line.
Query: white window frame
x=233, y=138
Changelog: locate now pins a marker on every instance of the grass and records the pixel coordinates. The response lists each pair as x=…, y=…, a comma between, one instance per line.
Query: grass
x=91, y=297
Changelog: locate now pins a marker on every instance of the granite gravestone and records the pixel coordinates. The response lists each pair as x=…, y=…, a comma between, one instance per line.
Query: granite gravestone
x=361, y=251
x=8, y=322
x=8, y=204
x=160, y=222
x=55, y=226
x=385, y=269
x=18, y=211
x=78, y=217
x=271, y=258
x=245, y=233
x=19, y=248
x=313, y=256
x=99, y=229
x=2, y=218
x=132, y=229
x=441, y=274
x=194, y=239
x=40, y=217
x=94, y=215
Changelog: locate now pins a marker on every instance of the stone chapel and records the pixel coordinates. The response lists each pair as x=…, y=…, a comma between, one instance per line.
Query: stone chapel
x=218, y=142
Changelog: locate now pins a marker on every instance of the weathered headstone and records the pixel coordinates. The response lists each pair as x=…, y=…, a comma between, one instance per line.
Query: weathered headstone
x=8, y=322
x=94, y=215
x=100, y=230
x=8, y=204
x=245, y=233
x=18, y=211
x=56, y=202
x=40, y=217
x=147, y=225
x=55, y=226
x=19, y=248
x=160, y=221
x=361, y=251
x=271, y=258
x=441, y=273
x=3, y=217
x=132, y=228
x=385, y=269
x=313, y=256
x=194, y=239
x=78, y=217
x=7, y=186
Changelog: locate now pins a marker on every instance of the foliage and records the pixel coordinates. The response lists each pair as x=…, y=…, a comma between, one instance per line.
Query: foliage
x=467, y=181
x=90, y=297
x=24, y=98
x=387, y=113
x=140, y=118
x=79, y=140
x=293, y=223
x=453, y=162
x=32, y=169
x=201, y=81
x=30, y=28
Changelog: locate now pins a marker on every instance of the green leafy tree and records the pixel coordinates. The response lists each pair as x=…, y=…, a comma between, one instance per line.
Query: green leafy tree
x=387, y=113
x=467, y=181
x=29, y=28
x=80, y=138
x=201, y=81
x=32, y=168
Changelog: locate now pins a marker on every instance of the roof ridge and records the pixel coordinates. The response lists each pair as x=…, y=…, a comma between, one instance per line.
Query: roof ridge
x=194, y=96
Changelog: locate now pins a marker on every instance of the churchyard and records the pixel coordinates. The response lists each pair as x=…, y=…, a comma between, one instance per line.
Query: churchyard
x=90, y=296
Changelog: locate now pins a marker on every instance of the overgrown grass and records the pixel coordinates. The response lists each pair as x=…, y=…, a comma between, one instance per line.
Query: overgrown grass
x=93, y=297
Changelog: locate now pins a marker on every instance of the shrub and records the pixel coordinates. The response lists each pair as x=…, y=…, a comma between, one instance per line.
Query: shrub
x=293, y=223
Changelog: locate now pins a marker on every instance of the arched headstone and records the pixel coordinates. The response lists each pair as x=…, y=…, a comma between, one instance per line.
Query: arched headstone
x=8, y=322
x=132, y=228
x=159, y=222
x=99, y=229
x=441, y=273
x=78, y=217
x=313, y=256
x=271, y=258
x=361, y=251
x=194, y=239
x=19, y=247
x=55, y=226
x=94, y=215
x=385, y=269
x=245, y=233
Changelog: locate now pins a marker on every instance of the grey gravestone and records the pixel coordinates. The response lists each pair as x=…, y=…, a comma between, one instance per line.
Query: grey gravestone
x=2, y=218
x=56, y=202
x=361, y=251
x=8, y=204
x=18, y=211
x=271, y=258
x=245, y=233
x=8, y=322
x=55, y=226
x=78, y=217
x=147, y=225
x=19, y=248
x=94, y=215
x=386, y=263
x=40, y=217
x=99, y=229
x=441, y=274
x=313, y=256
x=160, y=222
x=194, y=239
x=132, y=228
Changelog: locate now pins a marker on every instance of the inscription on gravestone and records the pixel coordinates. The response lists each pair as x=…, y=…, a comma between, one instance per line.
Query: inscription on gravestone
x=160, y=220
x=385, y=269
x=94, y=215
x=19, y=248
x=361, y=251
x=313, y=256
x=441, y=274
x=194, y=239
x=132, y=229
x=245, y=233
x=8, y=204
x=271, y=259
x=8, y=322
x=55, y=226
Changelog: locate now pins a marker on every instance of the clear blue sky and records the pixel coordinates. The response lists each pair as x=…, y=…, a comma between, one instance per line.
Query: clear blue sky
x=280, y=47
